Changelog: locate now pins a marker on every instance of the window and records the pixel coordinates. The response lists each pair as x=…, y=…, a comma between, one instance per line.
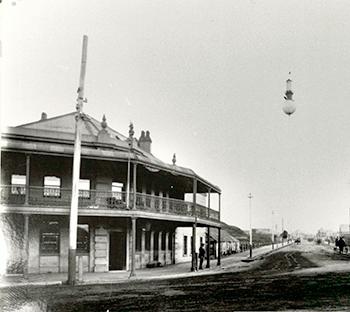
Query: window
x=117, y=188
x=83, y=238
x=18, y=184
x=52, y=186
x=84, y=188
x=185, y=245
x=50, y=238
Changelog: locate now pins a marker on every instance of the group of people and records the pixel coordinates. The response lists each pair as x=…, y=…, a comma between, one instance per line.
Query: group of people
x=340, y=243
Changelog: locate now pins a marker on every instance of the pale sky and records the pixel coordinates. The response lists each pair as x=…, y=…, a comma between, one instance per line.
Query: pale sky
x=206, y=78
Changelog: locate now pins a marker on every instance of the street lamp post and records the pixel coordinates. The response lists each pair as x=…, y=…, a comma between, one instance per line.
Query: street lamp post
x=250, y=196
x=272, y=234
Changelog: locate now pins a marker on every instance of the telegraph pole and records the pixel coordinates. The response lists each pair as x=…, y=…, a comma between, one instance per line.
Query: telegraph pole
x=73, y=221
x=272, y=234
x=282, y=230
x=250, y=196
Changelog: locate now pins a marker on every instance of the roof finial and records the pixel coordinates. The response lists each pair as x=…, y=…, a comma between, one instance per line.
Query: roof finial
x=131, y=130
x=174, y=159
x=104, y=122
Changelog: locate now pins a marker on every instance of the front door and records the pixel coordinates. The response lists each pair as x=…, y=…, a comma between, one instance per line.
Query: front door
x=117, y=251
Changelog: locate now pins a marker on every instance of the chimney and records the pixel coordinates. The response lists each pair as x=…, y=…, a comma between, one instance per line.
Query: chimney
x=43, y=116
x=145, y=141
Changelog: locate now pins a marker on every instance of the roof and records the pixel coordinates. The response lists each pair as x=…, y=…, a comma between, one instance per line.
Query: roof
x=225, y=236
x=66, y=124
x=57, y=134
x=235, y=231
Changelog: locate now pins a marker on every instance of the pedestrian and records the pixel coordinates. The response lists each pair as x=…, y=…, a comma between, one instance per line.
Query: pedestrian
x=201, y=256
x=341, y=244
x=336, y=243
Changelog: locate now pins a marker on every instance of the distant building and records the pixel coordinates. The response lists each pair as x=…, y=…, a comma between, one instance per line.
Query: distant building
x=344, y=229
x=262, y=231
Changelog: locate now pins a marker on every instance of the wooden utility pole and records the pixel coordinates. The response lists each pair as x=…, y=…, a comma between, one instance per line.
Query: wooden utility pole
x=73, y=221
x=250, y=196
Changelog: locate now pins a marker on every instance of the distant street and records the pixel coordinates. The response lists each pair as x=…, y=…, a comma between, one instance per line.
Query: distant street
x=296, y=277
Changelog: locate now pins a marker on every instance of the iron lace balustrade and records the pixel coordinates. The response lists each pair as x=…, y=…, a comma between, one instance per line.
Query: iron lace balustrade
x=13, y=195
x=162, y=204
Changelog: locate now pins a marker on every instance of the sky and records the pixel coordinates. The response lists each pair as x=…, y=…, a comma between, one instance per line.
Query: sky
x=207, y=79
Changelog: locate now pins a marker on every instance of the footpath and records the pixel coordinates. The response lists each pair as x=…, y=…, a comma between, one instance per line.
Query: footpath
x=234, y=262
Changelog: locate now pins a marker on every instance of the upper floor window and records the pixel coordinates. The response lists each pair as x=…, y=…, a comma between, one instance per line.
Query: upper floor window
x=84, y=188
x=117, y=188
x=52, y=186
x=18, y=184
x=50, y=237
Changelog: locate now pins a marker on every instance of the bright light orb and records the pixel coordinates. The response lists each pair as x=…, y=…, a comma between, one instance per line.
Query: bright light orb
x=289, y=107
x=289, y=104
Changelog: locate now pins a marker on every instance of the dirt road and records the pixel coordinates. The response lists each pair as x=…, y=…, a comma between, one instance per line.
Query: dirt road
x=297, y=277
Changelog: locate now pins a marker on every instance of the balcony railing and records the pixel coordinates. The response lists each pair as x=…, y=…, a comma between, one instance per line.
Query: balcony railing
x=92, y=199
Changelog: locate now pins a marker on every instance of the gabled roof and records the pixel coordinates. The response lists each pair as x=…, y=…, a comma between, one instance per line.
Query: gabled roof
x=66, y=123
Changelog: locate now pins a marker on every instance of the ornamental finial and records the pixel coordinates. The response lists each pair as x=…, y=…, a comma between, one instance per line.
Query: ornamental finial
x=174, y=159
x=131, y=130
x=104, y=122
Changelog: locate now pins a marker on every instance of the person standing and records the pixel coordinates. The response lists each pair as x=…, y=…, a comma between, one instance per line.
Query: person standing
x=341, y=244
x=201, y=256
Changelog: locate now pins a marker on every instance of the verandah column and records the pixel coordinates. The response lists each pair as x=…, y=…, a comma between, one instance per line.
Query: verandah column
x=160, y=240
x=219, y=233
x=167, y=203
x=152, y=197
x=133, y=246
x=208, y=231
x=133, y=226
x=26, y=245
x=160, y=201
x=208, y=248
x=143, y=247
x=194, y=226
x=26, y=199
x=151, y=247
x=134, y=187
x=219, y=246
x=166, y=247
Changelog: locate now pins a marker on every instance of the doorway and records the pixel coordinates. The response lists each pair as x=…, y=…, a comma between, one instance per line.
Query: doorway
x=117, y=251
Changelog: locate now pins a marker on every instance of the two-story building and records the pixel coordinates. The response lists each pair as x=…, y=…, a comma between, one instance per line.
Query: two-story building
x=113, y=234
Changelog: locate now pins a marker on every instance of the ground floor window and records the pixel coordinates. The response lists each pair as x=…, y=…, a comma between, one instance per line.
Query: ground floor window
x=83, y=238
x=50, y=237
x=185, y=245
x=148, y=238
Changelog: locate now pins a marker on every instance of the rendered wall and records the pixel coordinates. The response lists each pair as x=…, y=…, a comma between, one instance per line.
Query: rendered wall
x=179, y=242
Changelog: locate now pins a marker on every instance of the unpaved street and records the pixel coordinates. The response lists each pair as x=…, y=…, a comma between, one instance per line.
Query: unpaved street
x=297, y=277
